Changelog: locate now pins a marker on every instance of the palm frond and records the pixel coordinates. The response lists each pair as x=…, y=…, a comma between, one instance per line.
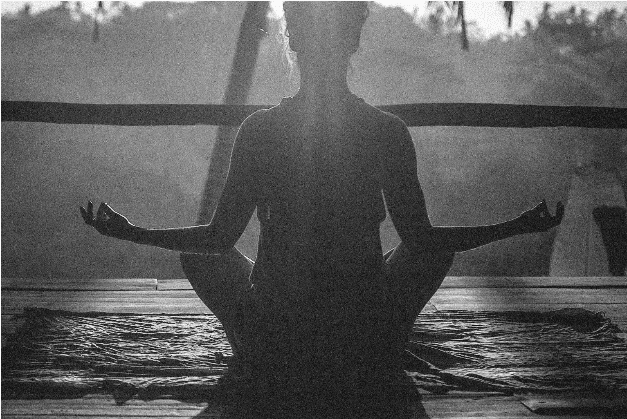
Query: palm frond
x=458, y=8
x=509, y=12
x=95, y=36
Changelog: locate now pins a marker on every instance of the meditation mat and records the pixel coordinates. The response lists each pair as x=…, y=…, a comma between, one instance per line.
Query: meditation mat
x=66, y=354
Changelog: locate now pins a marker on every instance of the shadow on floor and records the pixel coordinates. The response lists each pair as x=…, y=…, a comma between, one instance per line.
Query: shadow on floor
x=401, y=403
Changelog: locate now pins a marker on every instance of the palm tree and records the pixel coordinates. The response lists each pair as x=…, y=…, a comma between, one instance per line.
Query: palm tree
x=95, y=36
x=458, y=6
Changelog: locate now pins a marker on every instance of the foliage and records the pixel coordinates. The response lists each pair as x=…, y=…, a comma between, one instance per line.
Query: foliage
x=182, y=53
x=596, y=50
x=437, y=17
x=578, y=32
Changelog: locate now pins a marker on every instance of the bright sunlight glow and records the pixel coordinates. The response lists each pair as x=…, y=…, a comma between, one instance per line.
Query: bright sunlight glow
x=488, y=16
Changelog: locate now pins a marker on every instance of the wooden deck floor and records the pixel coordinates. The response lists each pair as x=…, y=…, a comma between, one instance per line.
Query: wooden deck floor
x=151, y=296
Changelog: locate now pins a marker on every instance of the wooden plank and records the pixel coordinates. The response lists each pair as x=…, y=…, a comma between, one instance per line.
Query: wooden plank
x=435, y=407
x=156, y=414
x=478, y=282
x=146, y=302
x=107, y=400
x=470, y=407
x=104, y=406
x=154, y=307
x=534, y=282
x=173, y=284
x=414, y=114
x=569, y=406
x=531, y=295
x=445, y=296
x=131, y=284
x=67, y=284
x=104, y=296
x=111, y=410
x=217, y=414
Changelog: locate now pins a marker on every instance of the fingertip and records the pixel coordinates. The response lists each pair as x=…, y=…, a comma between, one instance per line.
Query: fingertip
x=107, y=208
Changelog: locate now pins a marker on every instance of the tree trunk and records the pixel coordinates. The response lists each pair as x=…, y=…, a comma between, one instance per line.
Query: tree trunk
x=464, y=33
x=243, y=69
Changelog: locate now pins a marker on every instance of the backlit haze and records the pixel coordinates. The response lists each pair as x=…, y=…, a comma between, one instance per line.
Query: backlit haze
x=488, y=17
x=181, y=53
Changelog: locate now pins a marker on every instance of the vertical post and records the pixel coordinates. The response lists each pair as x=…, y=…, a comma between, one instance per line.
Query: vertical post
x=242, y=72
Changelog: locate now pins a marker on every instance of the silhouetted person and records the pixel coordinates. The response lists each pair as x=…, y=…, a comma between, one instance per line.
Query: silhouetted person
x=321, y=306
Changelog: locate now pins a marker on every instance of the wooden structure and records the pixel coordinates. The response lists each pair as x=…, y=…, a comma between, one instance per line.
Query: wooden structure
x=578, y=249
x=152, y=296
x=414, y=115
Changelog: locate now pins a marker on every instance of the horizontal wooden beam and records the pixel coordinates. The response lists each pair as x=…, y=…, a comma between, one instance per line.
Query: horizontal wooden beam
x=580, y=282
x=79, y=284
x=414, y=115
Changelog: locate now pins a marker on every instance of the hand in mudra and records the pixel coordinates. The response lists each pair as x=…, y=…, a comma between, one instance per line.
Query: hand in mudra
x=539, y=218
x=107, y=221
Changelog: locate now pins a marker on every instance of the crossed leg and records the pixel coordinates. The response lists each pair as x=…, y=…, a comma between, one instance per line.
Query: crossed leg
x=412, y=279
x=222, y=283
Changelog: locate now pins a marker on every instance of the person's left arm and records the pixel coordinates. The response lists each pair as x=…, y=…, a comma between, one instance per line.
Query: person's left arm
x=406, y=205
x=232, y=214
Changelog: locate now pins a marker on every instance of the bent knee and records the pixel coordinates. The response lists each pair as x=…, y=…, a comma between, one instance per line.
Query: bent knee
x=430, y=256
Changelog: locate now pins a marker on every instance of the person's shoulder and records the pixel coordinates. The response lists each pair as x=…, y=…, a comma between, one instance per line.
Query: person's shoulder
x=265, y=118
x=390, y=130
x=394, y=122
x=255, y=119
x=382, y=120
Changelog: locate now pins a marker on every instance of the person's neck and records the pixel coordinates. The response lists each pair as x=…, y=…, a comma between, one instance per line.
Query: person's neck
x=320, y=83
x=323, y=91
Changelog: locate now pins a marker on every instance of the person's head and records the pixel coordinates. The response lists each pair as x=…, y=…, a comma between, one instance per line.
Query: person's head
x=324, y=31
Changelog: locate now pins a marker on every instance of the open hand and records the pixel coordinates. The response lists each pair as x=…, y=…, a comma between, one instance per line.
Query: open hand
x=539, y=218
x=107, y=221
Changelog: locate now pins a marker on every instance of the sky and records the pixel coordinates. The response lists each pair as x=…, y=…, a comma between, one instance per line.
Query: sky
x=488, y=15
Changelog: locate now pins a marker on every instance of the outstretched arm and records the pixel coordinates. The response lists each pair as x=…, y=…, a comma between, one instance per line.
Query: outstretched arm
x=232, y=214
x=535, y=220
x=406, y=204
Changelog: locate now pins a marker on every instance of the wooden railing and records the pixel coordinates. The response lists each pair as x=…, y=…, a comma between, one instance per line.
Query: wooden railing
x=414, y=115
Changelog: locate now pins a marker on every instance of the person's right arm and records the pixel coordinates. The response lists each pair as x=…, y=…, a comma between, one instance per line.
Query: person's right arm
x=236, y=206
x=406, y=204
